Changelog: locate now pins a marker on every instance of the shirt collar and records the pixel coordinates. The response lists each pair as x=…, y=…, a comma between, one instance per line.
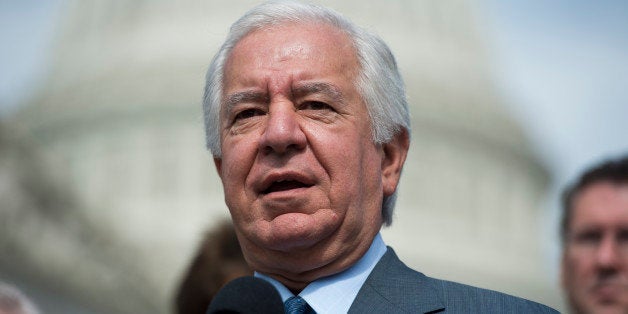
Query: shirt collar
x=335, y=293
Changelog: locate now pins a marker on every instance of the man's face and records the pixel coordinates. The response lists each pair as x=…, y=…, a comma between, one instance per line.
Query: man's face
x=302, y=177
x=595, y=258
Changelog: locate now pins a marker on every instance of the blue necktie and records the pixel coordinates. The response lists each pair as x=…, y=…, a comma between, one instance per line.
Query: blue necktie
x=296, y=305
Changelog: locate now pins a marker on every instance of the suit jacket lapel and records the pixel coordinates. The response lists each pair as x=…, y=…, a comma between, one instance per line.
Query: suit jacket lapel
x=393, y=287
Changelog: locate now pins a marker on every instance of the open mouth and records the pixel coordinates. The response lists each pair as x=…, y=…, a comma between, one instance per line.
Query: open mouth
x=285, y=185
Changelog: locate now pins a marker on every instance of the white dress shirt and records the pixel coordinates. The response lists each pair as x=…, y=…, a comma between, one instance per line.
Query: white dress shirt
x=335, y=293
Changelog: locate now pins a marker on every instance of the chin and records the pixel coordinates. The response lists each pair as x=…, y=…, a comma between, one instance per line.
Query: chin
x=606, y=307
x=614, y=309
x=291, y=242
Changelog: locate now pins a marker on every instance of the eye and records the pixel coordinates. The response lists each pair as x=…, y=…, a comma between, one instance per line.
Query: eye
x=622, y=236
x=315, y=105
x=588, y=237
x=248, y=113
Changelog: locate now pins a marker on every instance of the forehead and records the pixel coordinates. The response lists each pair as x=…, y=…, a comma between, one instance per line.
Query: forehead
x=602, y=203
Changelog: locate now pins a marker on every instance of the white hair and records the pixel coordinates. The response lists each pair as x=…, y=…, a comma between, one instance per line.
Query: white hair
x=378, y=81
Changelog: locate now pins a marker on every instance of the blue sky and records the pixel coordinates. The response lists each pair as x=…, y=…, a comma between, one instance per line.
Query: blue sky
x=562, y=66
x=26, y=29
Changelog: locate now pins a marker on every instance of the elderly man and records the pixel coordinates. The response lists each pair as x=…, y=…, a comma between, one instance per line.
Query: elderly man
x=595, y=240
x=307, y=120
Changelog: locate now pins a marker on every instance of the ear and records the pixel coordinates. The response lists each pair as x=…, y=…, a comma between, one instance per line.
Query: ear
x=218, y=164
x=395, y=152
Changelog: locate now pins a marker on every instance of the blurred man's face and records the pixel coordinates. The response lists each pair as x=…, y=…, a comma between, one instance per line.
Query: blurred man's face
x=595, y=257
x=302, y=177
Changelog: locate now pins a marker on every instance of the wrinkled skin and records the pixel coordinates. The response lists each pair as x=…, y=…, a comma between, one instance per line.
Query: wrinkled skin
x=302, y=178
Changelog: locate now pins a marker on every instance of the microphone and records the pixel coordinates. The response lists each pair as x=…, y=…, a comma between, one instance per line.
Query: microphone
x=247, y=295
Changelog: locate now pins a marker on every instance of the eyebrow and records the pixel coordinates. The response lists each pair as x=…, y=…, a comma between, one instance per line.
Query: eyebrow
x=326, y=89
x=301, y=90
x=245, y=96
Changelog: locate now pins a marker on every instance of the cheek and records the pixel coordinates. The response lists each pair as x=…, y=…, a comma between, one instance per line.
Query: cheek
x=572, y=279
x=237, y=151
x=237, y=160
x=343, y=158
x=579, y=268
x=356, y=174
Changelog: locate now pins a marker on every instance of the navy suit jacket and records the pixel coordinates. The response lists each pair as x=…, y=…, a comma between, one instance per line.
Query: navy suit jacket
x=392, y=287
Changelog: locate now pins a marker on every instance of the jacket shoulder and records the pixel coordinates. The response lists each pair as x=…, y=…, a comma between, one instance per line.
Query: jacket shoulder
x=461, y=298
x=393, y=287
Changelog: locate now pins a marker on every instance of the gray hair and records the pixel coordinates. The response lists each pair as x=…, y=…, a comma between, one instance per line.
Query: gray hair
x=379, y=81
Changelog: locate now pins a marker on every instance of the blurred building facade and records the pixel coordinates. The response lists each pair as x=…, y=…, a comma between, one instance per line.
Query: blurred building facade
x=126, y=189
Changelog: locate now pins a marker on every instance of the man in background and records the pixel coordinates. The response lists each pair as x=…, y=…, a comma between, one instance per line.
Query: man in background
x=308, y=124
x=595, y=240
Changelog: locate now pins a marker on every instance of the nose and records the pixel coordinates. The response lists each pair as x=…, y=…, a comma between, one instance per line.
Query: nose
x=283, y=131
x=608, y=255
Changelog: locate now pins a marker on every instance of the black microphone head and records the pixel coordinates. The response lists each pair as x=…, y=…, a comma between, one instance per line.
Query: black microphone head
x=247, y=295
